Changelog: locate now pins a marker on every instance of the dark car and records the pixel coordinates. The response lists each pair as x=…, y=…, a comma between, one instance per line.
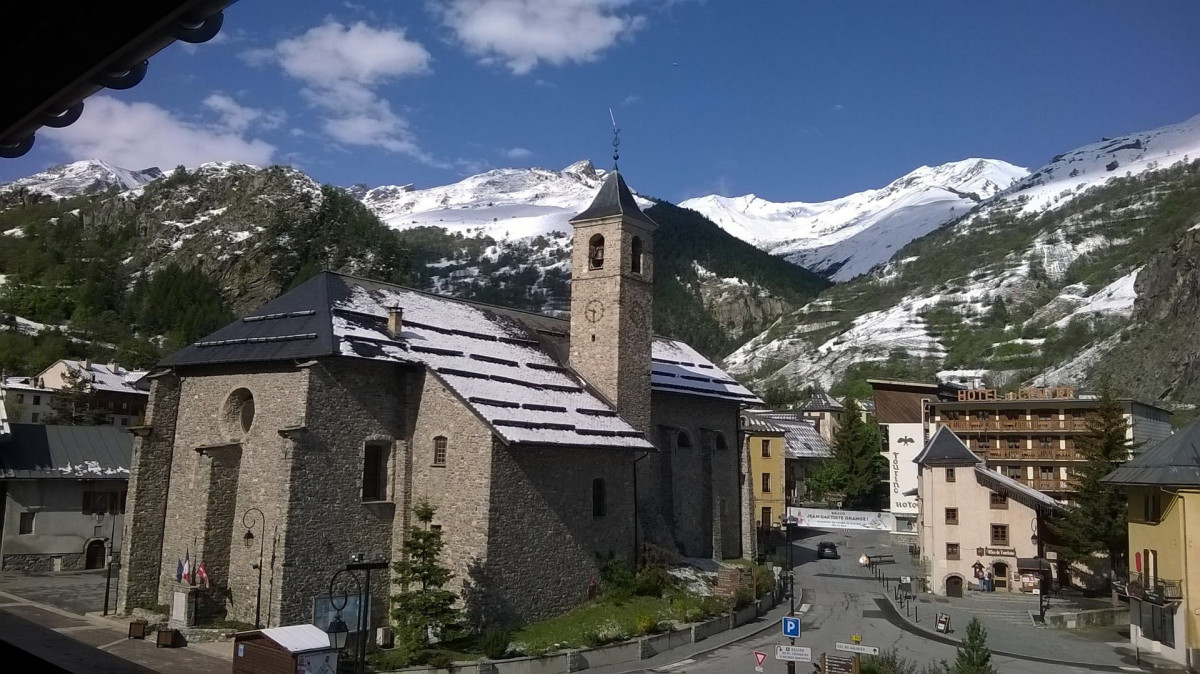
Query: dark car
x=827, y=549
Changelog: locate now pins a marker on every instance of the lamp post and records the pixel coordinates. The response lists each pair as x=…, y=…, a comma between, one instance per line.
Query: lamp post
x=250, y=522
x=791, y=572
x=338, y=630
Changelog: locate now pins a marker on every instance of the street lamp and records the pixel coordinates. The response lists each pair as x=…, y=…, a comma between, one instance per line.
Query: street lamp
x=337, y=630
x=791, y=572
x=248, y=540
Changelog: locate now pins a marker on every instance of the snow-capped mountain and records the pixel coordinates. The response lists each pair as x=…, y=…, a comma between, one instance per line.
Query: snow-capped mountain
x=89, y=176
x=1041, y=282
x=503, y=203
x=846, y=237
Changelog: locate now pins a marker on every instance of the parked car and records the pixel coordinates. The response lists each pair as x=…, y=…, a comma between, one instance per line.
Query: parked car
x=827, y=549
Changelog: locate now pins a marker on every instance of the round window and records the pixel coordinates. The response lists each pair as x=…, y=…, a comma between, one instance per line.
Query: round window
x=239, y=412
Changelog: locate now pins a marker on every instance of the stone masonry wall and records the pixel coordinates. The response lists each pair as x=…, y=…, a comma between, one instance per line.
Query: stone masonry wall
x=545, y=544
x=146, y=504
x=459, y=490
x=43, y=563
x=692, y=471
x=250, y=469
x=353, y=402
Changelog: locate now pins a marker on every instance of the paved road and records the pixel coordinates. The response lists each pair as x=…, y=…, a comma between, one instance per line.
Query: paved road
x=841, y=598
x=79, y=592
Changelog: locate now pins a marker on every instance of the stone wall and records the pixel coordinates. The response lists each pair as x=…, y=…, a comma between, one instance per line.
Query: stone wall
x=248, y=468
x=705, y=483
x=43, y=563
x=545, y=546
x=460, y=490
x=354, y=402
x=146, y=503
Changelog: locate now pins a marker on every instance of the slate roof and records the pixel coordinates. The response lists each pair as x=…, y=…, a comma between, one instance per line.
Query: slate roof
x=822, y=402
x=944, y=448
x=801, y=439
x=37, y=451
x=755, y=423
x=22, y=384
x=614, y=198
x=1015, y=489
x=108, y=377
x=507, y=366
x=1174, y=462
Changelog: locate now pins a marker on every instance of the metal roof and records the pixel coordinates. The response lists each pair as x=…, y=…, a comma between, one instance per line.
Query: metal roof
x=801, y=439
x=37, y=451
x=297, y=638
x=945, y=448
x=822, y=402
x=614, y=198
x=1174, y=462
x=1014, y=489
x=754, y=423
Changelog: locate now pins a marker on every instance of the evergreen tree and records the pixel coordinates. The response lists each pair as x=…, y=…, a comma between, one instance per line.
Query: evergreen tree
x=856, y=455
x=974, y=657
x=75, y=403
x=423, y=606
x=1097, y=523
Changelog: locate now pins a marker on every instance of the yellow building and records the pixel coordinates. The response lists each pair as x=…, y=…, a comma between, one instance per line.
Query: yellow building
x=1163, y=485
x=768, y=471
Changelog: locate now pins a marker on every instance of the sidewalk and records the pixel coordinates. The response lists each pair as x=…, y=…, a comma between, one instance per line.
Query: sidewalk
x=80, y=643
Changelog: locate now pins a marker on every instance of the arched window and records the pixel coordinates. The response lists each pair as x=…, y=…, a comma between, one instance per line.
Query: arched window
x=683, y=440
x=719, y=441
x=596, y=252
x=439, y=450
x=599, y=498
x=635, y=262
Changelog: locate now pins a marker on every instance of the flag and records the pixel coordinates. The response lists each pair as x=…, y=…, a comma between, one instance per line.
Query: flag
x=187, y=567
x=179, y=570
x=202, y=574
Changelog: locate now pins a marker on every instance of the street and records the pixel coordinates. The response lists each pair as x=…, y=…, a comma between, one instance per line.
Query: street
x=839, y=601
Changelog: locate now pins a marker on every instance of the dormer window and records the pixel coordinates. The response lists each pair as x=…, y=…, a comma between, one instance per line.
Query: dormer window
x=596, y=252
x=635, y=262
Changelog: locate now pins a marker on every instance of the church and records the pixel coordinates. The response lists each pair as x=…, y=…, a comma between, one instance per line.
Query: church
x=305, y=433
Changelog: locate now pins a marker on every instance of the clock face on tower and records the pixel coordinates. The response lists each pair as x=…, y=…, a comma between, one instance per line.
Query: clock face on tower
x=593, y=311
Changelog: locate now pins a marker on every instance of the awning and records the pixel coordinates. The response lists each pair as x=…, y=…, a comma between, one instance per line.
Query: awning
x=1034, y=564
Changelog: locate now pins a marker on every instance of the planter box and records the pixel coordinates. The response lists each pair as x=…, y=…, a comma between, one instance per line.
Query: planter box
x=548, y=664
x=705, y=630
x=609, y=655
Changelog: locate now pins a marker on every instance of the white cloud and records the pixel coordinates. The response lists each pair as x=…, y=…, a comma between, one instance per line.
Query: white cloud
x=517, y=153
x=838, y=108
x=140, y=135
x=342, y=67
x=521, y=34
x=631, y=99
x=239, y=117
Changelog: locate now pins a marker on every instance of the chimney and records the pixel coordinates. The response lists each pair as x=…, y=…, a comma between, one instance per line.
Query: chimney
x=395, y=323
x=112, y=365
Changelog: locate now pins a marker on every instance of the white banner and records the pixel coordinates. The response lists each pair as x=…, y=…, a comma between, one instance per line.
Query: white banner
x=817, y=518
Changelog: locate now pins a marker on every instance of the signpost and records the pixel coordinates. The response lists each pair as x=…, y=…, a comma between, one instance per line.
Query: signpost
x=791, y=627
x=838, y=664
x=856, y=638
x=759, y=659
x=943, y=623
x=793, y=653
x=856, y=648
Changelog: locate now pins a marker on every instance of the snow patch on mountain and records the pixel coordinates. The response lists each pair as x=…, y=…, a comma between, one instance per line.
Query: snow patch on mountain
x=849, y=236
x=502, y=204
x=89, y=176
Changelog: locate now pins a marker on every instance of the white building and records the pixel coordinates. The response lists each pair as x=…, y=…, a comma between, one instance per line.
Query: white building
x=973, y=520
x=120, y=394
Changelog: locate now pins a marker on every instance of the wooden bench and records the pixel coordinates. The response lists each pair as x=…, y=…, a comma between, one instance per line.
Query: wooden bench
x=872, y=560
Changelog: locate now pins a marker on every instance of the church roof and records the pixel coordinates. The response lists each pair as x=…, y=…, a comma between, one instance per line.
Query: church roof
x=614, y=198
x=509, y=367
x=945, y=448
x=1174, y=462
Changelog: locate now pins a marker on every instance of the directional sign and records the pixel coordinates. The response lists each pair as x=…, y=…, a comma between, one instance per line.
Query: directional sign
x=759, y=659
x=791, y=627
x=793, y=653
x=856, y=648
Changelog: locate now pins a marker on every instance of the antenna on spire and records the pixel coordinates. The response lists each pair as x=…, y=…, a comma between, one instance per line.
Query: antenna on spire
x=616, y=139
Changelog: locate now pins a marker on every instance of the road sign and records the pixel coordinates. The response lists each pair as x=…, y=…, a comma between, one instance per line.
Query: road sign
x=942, y=624
x=791, y=627
x=837, y=664
x=793, y=653
x=856, y=648
x=856, y=638
x=759, y=659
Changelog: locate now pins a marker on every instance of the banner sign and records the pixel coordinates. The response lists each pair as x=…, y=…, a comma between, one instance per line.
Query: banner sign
x=817, y=518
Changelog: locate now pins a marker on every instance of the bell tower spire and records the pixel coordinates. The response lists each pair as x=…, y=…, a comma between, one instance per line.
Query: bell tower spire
x=612, y=280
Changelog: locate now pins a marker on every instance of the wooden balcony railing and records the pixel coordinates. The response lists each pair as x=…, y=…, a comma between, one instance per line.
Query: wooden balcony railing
x=1003, y=424
x=1026, y=454
x=1053, y=484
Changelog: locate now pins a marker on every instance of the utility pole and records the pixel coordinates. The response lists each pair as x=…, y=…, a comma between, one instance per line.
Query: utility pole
x=791, y=571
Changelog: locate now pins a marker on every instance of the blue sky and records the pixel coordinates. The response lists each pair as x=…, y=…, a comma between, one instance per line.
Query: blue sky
x=789, y=99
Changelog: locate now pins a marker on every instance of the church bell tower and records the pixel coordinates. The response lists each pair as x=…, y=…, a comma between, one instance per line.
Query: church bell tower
x=612, y=281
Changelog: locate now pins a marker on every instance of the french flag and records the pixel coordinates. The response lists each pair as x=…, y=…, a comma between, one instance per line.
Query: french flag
x=187, y=567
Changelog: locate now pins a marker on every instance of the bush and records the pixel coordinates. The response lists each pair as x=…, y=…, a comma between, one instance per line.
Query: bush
x=438, y=659
x=743, y=597
x=617, y=581
x=494, y=644
x=646, y=624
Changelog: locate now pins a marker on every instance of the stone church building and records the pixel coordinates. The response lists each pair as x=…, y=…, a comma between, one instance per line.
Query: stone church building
x=547, y=446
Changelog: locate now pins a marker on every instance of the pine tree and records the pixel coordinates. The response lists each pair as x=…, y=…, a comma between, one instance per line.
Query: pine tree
x=856, y=455
x=974, y=657
x=1097, y=522
x=75, y=403
x=423, y=606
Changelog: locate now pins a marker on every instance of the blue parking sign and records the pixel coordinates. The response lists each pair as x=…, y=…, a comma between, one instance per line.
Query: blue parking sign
x=791, y=627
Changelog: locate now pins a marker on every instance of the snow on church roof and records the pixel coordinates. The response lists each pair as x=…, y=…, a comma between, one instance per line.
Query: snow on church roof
x=678, y=368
